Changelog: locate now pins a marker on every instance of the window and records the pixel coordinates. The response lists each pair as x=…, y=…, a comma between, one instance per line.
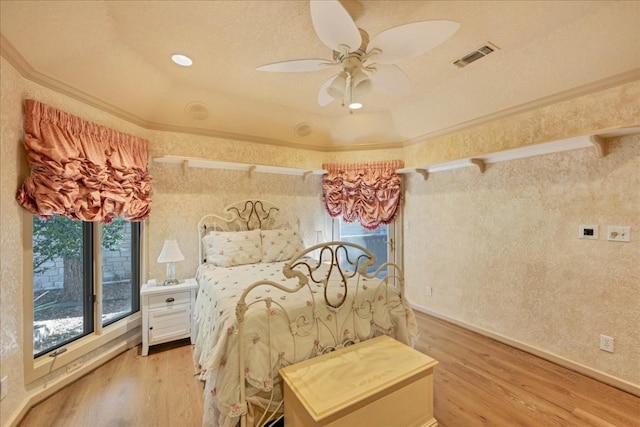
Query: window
x=120, y=270
x=382, y=241
x=65, y=306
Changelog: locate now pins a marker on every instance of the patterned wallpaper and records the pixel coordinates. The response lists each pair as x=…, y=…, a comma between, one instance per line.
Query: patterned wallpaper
x=10, y=241
x=499, y=249
x=182, y=198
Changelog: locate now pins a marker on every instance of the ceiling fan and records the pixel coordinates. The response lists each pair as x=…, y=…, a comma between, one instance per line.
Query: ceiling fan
x=364, y=64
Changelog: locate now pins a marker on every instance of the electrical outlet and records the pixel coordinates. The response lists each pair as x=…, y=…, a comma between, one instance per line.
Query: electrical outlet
x=618, y=234
x=428, y=291
x=76, y=364
x=3, y=387
x=606, y=343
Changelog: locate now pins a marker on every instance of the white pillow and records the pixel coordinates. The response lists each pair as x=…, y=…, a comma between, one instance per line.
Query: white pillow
x=229, y=248
x=280, y=245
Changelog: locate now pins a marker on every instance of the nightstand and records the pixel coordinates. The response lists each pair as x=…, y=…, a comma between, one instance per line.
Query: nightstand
x=167, y=313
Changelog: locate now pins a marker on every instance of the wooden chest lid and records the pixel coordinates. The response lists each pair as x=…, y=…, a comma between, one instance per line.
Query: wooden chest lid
x=329, y=383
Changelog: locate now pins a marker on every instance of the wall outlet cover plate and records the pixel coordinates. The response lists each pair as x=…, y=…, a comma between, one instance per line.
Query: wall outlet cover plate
x=617, y=233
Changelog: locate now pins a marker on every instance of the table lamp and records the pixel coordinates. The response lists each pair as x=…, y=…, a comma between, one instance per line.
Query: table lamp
x=170, y=253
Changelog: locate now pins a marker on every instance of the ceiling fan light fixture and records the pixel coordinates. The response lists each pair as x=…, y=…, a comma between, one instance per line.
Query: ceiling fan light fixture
x=182, y=60
x=337, y=86
x=360, y=81
x=360, y=88
x=367, y=64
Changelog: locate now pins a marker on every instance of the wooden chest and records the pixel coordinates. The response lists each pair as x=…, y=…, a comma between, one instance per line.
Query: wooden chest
x=379, y=382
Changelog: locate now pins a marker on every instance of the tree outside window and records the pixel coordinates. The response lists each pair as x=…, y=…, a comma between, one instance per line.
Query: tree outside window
x=63, y=285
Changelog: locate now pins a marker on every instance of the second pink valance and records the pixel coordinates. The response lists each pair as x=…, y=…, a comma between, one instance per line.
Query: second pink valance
x=368, y=192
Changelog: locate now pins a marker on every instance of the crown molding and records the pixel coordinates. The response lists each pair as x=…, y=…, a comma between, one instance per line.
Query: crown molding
x=14, y=57
x=589, y=88
x=28, y=72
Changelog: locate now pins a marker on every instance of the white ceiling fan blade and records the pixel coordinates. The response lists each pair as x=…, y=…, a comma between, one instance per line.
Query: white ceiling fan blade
x=297, y=65
x=407, y=41
x=334, y=26
x=324, y=98
x=390, y=79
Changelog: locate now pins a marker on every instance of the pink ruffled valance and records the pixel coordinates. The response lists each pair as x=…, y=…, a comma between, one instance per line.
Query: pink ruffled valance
x=368, y=192
x=81, y=170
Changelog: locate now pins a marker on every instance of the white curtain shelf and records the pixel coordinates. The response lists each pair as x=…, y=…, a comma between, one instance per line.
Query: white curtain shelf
x=599, y=142
x=193, y=162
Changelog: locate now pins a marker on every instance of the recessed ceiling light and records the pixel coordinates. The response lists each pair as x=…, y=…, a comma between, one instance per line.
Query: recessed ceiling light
x=355, y=105
x=183, y=60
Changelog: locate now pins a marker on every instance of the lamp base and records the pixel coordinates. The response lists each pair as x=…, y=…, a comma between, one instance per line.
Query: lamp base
x=171, y=275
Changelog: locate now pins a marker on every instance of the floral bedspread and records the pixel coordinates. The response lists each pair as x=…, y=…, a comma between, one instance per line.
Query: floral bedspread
x=295, y=327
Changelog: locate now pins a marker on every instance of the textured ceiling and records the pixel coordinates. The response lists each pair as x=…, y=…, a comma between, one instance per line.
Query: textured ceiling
x=116, y=55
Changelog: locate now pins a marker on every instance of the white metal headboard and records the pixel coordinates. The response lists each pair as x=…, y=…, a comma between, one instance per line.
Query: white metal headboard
x=250, y=214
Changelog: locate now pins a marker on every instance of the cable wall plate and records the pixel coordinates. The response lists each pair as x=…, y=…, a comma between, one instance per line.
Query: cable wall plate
x=588, y=232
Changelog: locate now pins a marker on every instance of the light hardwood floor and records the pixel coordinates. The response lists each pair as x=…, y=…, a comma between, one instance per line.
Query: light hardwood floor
x=479, y=382
x=159, y=390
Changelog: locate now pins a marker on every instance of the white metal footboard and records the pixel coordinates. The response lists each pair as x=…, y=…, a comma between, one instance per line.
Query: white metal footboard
x=342, y=300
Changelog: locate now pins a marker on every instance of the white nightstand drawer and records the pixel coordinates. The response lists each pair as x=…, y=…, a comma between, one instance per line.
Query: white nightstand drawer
x=169, y=299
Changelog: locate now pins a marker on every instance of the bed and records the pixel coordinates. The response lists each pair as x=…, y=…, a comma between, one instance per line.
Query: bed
x=265, y=302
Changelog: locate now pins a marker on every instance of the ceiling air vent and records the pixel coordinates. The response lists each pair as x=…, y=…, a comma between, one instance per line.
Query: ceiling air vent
x=475, y=55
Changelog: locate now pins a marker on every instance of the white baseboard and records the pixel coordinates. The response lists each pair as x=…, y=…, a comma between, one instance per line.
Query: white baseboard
x=40, y=394
x=559, y=360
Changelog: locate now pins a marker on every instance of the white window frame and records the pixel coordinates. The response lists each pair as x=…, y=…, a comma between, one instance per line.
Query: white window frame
x=395, y=244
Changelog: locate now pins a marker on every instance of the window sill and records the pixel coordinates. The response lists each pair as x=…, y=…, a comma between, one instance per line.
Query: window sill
x=44, y=365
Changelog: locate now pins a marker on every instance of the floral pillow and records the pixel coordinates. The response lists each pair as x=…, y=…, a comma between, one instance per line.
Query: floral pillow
x=280, y=245
x=229, y=248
